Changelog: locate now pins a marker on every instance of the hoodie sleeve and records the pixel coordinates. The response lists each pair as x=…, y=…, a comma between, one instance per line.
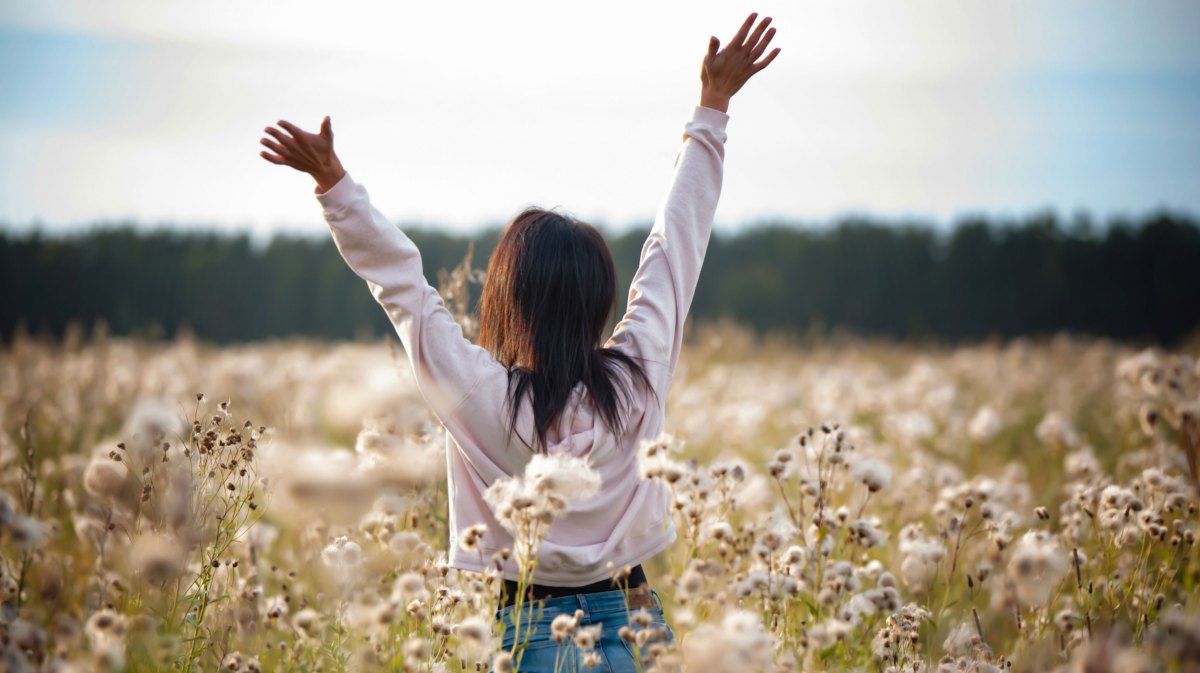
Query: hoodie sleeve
x=447, y=366
x=665, y=282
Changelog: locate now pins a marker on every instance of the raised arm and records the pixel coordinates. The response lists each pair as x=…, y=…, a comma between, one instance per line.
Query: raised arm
x=446, y=365
x=665, y=282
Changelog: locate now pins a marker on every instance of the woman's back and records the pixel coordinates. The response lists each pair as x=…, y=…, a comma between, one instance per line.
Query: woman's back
x=521, y=392
x=469, y=389
x=623, y=524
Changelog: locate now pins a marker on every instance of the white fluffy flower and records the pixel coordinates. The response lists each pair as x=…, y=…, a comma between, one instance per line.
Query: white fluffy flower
x=865, y=532
x=105, y=627
x=829, y=632
x=873, y=473
x=961, y=641
x=739, y=644
x=548, y=487
x=654, y=461
x=105, y=477
x=1054, y=429
x=921, y=556
x=27, y=532
x=1037, y=565
x=158, y=557
x=150, y=420
x=409, y=586
x=985, y=424
x=567, y=477
x=343, y=553
x=474, y=638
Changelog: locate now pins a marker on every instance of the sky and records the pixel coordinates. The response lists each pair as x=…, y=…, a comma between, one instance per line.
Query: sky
x=458, y=115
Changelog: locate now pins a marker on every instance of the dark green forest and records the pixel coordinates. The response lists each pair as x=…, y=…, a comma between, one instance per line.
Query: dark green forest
x=1130, y=279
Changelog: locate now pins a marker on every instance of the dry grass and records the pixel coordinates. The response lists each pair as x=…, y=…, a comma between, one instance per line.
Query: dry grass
x=855, y=506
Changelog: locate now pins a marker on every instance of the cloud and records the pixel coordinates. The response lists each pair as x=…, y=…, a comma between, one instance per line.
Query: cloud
x=153, y=110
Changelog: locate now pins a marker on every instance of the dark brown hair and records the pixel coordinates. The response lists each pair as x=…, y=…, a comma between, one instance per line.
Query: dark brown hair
x=550, y=291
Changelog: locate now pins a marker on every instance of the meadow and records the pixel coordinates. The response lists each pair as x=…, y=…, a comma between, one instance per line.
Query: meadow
x=841, y=505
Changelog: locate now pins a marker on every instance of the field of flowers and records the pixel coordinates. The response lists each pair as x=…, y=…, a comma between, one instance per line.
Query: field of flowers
x=841, y=506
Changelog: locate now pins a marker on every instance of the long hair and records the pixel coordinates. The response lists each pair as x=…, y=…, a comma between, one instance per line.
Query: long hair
x=550, y=291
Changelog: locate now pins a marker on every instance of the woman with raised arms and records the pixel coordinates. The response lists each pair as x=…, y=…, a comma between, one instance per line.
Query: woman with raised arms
x=542, y=379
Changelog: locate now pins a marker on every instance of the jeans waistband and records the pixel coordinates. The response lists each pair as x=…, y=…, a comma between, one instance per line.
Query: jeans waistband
x=635, y=579
x=601, y=601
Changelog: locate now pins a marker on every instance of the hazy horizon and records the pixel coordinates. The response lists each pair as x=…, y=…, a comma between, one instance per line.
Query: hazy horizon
x=151, y=111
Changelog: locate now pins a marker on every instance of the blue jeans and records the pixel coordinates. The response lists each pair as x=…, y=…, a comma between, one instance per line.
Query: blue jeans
x=607, y=608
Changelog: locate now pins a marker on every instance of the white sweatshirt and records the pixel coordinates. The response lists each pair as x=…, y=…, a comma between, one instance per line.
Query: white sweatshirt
x=626, y=522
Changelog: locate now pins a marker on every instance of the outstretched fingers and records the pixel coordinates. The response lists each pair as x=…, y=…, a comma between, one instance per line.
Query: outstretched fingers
x=273, y=158
x=725, y=70
x=279, y=135
x=762, y=45
x=275, y=147
x=767, y=61
x=291, y=128
x=756, y=36
x=312, y=153
x=740, y=37
x=285, y=149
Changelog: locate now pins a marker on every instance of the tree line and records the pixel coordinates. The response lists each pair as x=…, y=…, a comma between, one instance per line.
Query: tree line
x=1130, y=279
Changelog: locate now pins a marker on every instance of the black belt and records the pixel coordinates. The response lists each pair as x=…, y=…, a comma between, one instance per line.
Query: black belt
x=637, y=577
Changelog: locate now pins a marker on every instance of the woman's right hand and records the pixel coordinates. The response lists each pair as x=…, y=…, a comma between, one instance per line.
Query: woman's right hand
x=725, y=71
x=306, y=152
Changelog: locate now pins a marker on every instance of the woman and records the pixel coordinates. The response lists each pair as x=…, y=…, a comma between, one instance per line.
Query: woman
x=540, y=381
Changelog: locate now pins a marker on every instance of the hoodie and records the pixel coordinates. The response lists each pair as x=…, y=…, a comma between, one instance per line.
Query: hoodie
x=627, y=521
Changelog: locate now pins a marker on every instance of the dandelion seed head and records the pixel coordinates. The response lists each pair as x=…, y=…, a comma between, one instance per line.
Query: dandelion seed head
x=158, y=557
x=1055, y=429
x=106, y=478
x=27, y=532
x=104, y=627
x=563, y=627
x=307, y=623
x=410, y=585
x=985, y=424
x=1036, y=567
x=472, y=629
x=829, y=632
x=342, y=553
x=550, y=484
x=865, y=533
x=586, y=637
x=471, y=536
x=872, y=472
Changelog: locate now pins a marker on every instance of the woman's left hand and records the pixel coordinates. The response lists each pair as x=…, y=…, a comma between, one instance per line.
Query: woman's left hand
x=306, y=152
x=725, y=71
